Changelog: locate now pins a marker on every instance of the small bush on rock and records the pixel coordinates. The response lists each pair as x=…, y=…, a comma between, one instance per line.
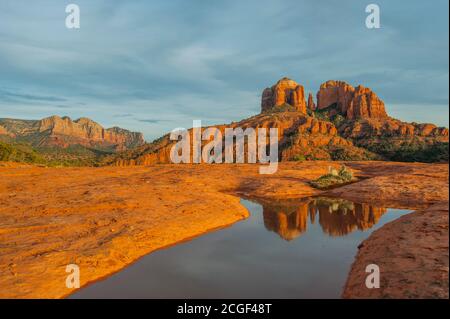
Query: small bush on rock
x=333, y=178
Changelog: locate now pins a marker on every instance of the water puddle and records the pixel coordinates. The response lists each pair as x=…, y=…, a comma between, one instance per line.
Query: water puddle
x=285, y=249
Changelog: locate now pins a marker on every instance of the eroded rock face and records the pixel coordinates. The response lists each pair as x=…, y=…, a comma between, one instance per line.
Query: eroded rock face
x=266, y=100
x=87, y=132
x=286, y=91
x=353, y=103
x=311, y=105
x=63, y=132
x=309, y=136
x=332, y=92
x=297, y=99
x=366, y=104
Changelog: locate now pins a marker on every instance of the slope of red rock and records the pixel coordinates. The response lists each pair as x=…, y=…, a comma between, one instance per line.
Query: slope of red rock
x=297, y=134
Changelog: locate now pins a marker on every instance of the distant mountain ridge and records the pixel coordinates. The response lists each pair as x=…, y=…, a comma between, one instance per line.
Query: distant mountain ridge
x=55, y=131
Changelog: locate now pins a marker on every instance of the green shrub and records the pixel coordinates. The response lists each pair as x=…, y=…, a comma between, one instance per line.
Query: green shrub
x=345, y=153
x=345, y=173
x=282, y=108
x=333, y=178
x=299, y=158
x=338, y=120
x=324, y=114
x=51, y=156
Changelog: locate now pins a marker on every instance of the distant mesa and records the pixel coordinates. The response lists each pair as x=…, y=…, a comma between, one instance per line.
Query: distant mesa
x=64, y=132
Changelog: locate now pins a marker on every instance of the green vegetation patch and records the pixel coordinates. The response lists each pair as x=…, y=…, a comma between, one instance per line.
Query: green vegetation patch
x=352, y=153
x=75, y=155
x=325, y=115
x=281, y=108
x=21, y=153
x=333, y=178
x=413, y=150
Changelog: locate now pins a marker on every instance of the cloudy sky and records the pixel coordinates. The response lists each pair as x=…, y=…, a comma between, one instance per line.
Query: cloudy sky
x=152, y=66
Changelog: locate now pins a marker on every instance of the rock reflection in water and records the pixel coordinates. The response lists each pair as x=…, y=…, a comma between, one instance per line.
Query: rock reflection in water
x=337, y=217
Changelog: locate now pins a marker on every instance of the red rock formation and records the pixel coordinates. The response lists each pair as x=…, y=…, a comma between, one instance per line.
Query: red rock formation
x=86, y=132
x=309, y=136
x=353, y=103
x=332, y=92
x=286, y=91
x=298, y=99
x=366, y=104
x=311, y=105
x=63, y=132
x=266, y=100
x=297, y=133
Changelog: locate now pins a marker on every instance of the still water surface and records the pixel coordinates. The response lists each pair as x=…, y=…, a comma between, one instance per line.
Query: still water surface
x=285, y=249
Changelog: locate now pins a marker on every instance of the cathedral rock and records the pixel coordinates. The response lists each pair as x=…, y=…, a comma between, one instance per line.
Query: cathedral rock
x=339, y=96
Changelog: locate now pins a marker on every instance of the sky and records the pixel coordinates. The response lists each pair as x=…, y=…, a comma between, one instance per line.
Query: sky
x=152, y=66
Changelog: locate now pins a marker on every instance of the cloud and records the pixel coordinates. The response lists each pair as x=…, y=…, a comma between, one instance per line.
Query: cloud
x=151, y=121
x=122, y=115
x=30, y=97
